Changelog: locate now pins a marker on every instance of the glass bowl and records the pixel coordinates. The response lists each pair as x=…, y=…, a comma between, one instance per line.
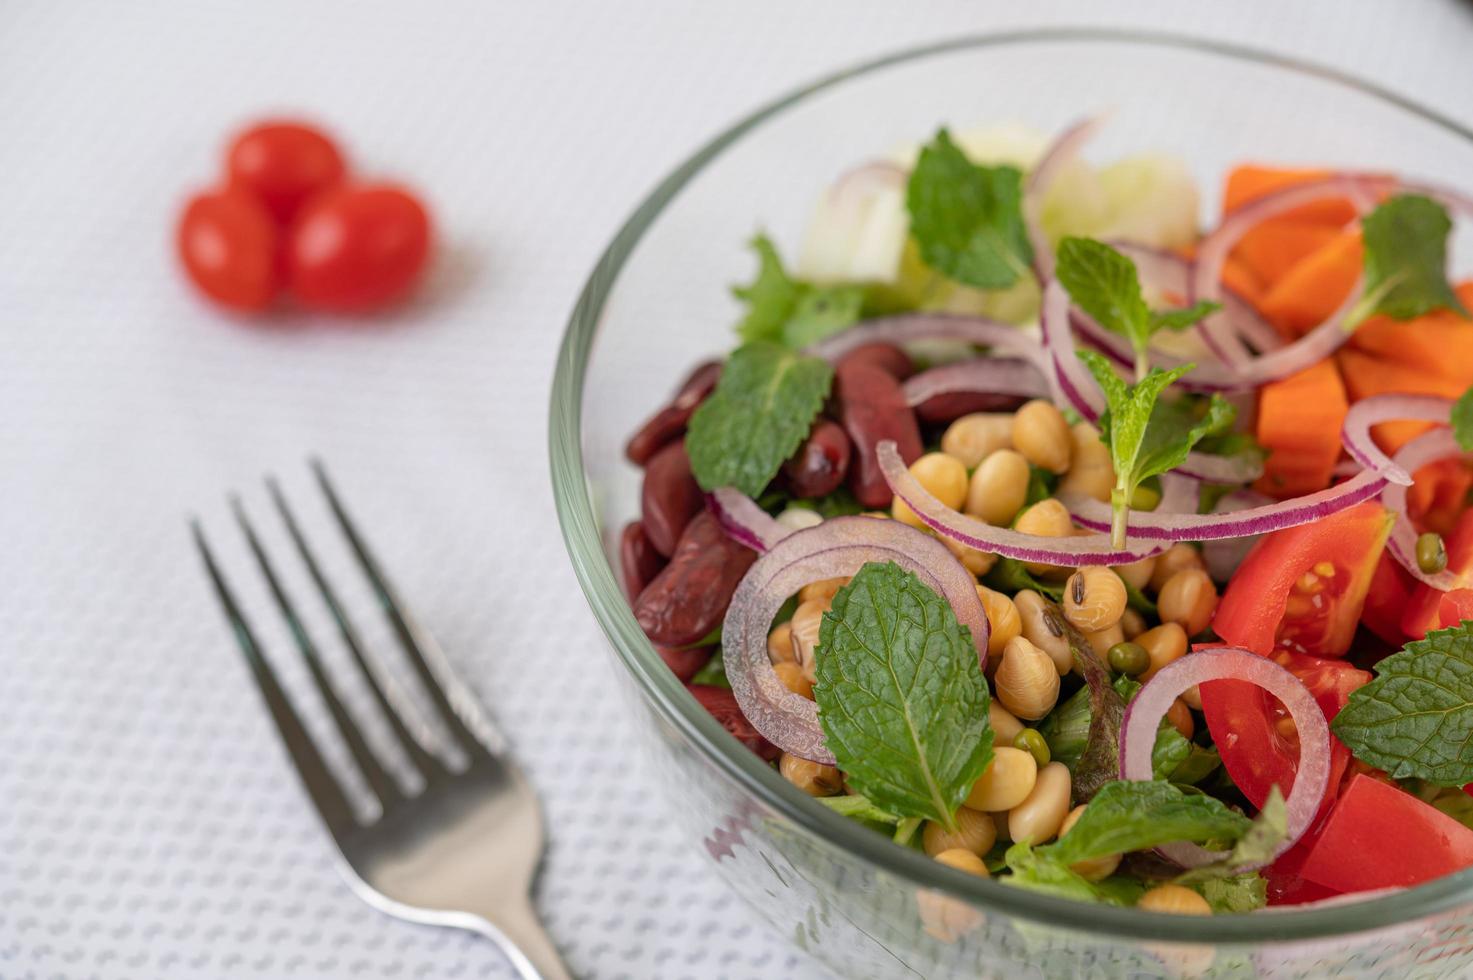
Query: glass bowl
x=658, y=302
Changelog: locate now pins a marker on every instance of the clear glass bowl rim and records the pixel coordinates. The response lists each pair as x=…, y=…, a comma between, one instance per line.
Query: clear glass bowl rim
x=575, y=510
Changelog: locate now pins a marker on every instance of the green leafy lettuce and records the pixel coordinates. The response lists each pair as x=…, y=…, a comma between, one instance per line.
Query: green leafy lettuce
x=1416, y=717
x=1036, y=870
x=1147, y=436
x=1253, y=849
x=967, y=220
x=901, y=697
x=758, y=416
x=1406, y=260
x=1105, y=284
x=1133, y=815
x=789, y=311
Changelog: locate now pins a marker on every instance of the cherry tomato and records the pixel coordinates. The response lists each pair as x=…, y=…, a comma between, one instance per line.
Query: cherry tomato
x=283, y=164
x=1381, y=837
x=1422, y=608
x=357, y=247
x=227, y=242
x=1301, y=589
x=723, y=707
x=1254, y=735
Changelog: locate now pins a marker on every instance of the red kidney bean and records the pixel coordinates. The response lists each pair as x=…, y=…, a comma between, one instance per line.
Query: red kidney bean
x=947, y=408
x=687, y=600
x=638, y=559
x=669, y=498
x=685, y=662
x=887, y=357
x=669, y=422
x=872, y=409
x=723, y=707
x=821, y=463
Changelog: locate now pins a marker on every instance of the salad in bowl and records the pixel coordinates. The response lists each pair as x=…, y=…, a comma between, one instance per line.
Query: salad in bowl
x=1039, y=530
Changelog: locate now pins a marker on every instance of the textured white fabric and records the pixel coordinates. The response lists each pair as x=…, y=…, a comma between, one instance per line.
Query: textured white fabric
x=149, y=826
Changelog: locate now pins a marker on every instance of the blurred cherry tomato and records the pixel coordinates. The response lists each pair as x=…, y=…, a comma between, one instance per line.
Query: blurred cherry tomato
x=227, y=241
x=283, y=164
x=357, y=247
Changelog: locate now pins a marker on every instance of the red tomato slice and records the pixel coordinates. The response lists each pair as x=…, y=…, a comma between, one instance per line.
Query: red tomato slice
x=1456, y=607
x=1255, y=735
x=1386, y=600
x=1301, y=589
x=1422, y=609
x=1380, y=837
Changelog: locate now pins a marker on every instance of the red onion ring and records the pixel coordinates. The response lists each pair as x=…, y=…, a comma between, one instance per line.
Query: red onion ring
x=1058, y=156
x=866, y=178
x=1224, y=555
x=745, y=522
x=1179, y=494
x=1144, y=713
x=837, y=547
x=1356, y=433
x=907, y=328
x=1157, y=526
x=1402, y=543
x=1000, y=376
x=1089, y=549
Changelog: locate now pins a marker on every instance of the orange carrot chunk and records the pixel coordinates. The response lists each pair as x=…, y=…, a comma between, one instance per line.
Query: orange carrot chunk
x=1299, y=420
x=1316, y=286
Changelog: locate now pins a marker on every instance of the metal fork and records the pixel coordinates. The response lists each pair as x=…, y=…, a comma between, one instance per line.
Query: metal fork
x=460, y=845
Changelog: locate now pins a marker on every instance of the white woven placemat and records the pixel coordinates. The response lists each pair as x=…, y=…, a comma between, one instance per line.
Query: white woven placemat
x=149, y=826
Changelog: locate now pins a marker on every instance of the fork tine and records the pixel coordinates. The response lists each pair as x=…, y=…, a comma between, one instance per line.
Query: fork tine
x=318, y=780
x=416, y=642
x=424, y=761
x=382, y=783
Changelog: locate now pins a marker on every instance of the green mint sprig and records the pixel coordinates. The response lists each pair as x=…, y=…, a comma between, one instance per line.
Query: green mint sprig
x=790, y=311
x=1106, y=285
x=1147, y=436
x=1254, y=849
x=1134, y=815
x=1416, y=717
x=967, y=219
x=901, y=697
x=758, y=416
x=1406, y=260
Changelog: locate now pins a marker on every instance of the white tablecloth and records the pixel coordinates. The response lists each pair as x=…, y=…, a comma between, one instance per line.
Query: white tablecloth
x=149, y=826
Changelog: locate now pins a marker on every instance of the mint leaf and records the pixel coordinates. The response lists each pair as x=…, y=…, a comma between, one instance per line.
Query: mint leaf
x=1416, y=717
x=1131, y=816
x=1462, y=420
x=1253, y=849
x=967, y=219
x=1183, y=317
x=1105, y=284
x=791, y=311
x=858, y=808
x=901, y=698
x=1239, y=893
x=1147, y=436
x=758, y=416
x=1406, y=259
x=1036, y=870
x=1099, y=760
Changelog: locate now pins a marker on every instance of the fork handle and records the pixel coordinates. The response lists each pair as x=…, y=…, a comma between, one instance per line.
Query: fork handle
x=516, y=929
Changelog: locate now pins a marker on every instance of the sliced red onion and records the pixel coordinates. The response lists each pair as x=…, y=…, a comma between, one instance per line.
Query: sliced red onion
x=988, y=375
x=1087, y=549
x=857, y=184
x=1074, y=380
x=1158, y=526
x=1058, y=156
x=1212, y=252
x=908, y=328
x=837, y=547
x=1356, y=434
x=1224, y=555
x=1179, y=495
x=742, y=520
x=1144, y=713
x=1242, y=468
x=1402, y=543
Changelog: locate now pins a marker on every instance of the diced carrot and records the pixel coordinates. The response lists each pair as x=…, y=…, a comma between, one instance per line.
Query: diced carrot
x=1273, y=248
x=1242, y=280
x=1367, y=375
x=1299, y=420
x=1249, y=181
x=1440, y=343
x=1316, y=286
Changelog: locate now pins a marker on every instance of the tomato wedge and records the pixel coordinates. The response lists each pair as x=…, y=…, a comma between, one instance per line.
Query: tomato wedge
x=1456, y=607
x=1301, y=589
x=1422, y=609
x=1380, y=837
x=1386, y=600
x=1255, y=735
